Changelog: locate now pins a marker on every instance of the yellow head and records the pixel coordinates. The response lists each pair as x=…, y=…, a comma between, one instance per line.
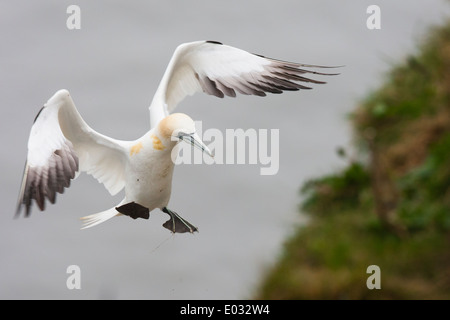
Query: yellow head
x=180, y=127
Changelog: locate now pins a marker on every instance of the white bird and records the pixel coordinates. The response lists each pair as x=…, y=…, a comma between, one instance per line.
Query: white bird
x=61, y=144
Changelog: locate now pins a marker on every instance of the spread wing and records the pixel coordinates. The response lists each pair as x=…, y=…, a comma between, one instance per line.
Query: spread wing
x=221, y=70
x=61, y=145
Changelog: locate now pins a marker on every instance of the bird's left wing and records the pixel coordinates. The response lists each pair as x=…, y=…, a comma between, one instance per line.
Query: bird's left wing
x=60, y=145
x=222, y=70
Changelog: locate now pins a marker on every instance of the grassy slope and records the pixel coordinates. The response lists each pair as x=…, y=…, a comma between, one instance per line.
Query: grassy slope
x=394, y=210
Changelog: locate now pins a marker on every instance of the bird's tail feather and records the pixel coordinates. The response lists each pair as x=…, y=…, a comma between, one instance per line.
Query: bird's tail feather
x=97, y=218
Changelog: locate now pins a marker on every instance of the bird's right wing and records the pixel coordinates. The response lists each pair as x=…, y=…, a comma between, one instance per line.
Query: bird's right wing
x=60, y=145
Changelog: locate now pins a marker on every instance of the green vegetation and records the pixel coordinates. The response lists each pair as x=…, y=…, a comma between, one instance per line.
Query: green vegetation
x=390, y=210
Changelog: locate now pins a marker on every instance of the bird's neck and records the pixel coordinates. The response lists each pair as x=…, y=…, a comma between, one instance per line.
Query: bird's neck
x=160, y=142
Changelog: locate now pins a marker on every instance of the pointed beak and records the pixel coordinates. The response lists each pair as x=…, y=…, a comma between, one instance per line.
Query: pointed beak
x=195, y=140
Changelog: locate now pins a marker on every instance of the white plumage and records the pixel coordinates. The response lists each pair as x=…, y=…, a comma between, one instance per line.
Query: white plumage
x=61, y=144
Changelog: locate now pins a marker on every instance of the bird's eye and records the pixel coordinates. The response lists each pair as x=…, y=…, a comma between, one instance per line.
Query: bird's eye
x=182, y=135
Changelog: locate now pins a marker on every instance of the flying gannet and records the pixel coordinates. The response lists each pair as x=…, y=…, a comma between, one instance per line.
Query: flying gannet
x=61, y=144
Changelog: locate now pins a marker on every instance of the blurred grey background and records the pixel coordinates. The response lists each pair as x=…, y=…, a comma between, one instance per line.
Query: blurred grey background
x=112, y=67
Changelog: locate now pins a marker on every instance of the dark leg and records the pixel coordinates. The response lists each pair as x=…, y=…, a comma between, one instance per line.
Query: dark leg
x=134, y=210
x=177, y=224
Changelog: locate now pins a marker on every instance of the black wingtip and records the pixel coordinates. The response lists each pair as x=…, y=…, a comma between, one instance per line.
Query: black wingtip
x=20, y=200
x=18, y=209
x=27, y=210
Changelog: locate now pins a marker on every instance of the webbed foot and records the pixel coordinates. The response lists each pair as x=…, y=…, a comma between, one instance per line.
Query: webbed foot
x=177, y=224
x=134, y=210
